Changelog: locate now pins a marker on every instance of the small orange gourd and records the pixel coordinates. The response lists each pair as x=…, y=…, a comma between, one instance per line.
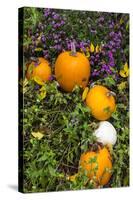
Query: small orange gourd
x=72, y=68
x=101, y=102
x=97, y=165
x=39, y=69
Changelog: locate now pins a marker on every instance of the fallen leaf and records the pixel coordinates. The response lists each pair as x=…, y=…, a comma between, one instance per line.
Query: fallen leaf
x=37, y=135
x=122, y=85
x=121, y=21
x=92, y=48
x=97, y=48
x=42, y=94
x=125, y=71
x=38, y=49
x=38, y=80
x=72, y=178
x=85, y=92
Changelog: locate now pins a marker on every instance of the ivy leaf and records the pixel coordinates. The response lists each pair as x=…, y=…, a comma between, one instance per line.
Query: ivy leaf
x=37, y=135
x=125, y=71
x=85, y=92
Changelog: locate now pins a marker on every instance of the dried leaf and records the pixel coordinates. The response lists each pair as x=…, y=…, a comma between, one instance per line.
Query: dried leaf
x=85, y=92
x=92, y=48
x=42, y=94
x=72, y=178
x=121, y=21
x=38, y=80
x=38, y=49
x=122, y=85
x=37, y=135
x=97, y=48
x=125, y=71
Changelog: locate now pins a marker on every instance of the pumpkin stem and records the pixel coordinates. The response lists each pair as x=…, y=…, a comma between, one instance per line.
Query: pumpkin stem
x=110, y=93
x=92, y=85
x=73, y=49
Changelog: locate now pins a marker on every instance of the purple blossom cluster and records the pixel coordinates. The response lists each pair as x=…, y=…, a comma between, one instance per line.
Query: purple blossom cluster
x=52, y=37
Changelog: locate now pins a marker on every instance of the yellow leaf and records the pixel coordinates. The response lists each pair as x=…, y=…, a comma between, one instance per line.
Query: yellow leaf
x=38, y=49
x=88, y=54
x=38, y=80
x=92, y=48
x=85, y=92
x=72, y=178
x=100, y=48
x=42, y=94
x=25, y=82
x=97, y=48
x=125, y=71
x=122, y=85
x=37, y=135
x=121, y=21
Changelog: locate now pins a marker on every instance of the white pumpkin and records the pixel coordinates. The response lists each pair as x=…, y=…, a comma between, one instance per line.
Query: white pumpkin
x=106, y=133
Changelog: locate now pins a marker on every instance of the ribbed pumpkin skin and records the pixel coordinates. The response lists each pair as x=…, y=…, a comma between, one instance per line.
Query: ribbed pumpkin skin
x=72, y=70
x=101, y=105
x=42, y=70
x=103, y=162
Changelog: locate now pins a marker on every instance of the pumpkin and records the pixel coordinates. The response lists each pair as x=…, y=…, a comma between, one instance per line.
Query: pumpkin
x=40, y=70
x=106, y=133
x=101, y=102
x=72, y=68
x=97, y=165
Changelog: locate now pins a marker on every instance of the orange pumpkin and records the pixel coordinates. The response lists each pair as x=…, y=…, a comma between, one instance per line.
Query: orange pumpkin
x=101, y=101
x=98, y=165
x=41, y=70
x=72, y=68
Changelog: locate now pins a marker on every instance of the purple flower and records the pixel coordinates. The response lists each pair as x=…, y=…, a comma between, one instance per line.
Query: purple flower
x=51, y=78
x=101, y=19
x=43, y=39
x=57, y=47
x=91, y=62
x=55, y=16
x=36, y=87
x=93, y=58
x=37, y=35
x=111, y=34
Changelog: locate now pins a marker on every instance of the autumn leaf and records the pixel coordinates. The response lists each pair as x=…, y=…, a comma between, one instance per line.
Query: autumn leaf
x=92, y=48
x=72, y=178
x=38, y=80
x=122, y=86
x=121, y=21
x=125, y=71
x=37, y=135
x=85, y=92
x=97, y=48
x=38, y=49
x=42, y=94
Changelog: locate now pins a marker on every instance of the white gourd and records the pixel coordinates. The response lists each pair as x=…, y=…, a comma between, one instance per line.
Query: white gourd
x=106, y=133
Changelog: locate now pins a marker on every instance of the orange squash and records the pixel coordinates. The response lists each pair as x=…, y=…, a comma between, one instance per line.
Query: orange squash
x=72, y=68
x=41, y=70
x=98, y=165
x=101, y=101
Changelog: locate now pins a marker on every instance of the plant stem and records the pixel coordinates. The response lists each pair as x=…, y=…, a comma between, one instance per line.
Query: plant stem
x=73, y=49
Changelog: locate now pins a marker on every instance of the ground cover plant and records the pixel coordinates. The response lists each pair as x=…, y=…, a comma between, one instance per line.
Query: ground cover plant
x=58, y=125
